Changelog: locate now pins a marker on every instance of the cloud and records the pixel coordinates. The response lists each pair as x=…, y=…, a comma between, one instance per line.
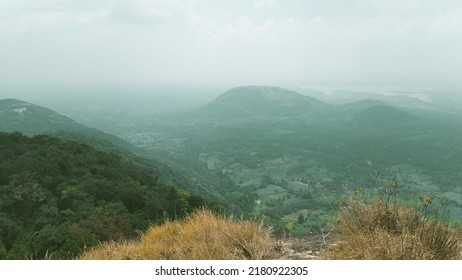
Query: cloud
x=138, y=11
x=266, y=4
x=137, y=41
x=20, y=17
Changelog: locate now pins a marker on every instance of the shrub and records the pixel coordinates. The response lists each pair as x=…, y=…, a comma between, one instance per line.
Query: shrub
x=202, y=235
x=383, y=230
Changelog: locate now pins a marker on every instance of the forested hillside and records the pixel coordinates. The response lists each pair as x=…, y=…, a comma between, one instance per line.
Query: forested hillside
x=58, y=197
x=31, y=119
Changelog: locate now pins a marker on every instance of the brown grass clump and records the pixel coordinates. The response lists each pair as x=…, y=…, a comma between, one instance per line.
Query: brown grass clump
x=377, y=230
x=202, y=236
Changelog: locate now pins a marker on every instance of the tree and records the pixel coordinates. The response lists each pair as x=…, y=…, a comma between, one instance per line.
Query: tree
x=26, y=193
x=301, y=219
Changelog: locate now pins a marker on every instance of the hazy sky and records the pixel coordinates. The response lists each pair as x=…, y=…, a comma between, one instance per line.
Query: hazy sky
x=230, y=43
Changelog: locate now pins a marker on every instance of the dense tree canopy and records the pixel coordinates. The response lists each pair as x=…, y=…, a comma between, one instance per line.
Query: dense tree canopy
x=58, y=197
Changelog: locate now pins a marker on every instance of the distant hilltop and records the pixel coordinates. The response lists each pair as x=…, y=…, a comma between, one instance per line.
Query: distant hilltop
x=262, y=101
x=30, y=119
x=264, y=94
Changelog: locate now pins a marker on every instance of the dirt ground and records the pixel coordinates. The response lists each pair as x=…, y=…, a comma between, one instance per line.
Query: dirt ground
x=305, y=247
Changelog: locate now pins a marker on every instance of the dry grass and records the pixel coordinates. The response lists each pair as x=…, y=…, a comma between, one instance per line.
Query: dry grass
x=202, y=236
x=377, y=230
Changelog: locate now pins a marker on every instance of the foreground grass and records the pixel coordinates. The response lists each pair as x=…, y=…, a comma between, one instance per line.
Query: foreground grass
x=202, y=236
x=378, y=230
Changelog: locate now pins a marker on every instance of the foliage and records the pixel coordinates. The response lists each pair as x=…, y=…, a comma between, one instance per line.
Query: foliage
x=300, y=219
x=58, y=197
x=202, y=235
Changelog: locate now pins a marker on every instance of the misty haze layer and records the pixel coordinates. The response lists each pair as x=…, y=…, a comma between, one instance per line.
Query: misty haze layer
x=202, y=42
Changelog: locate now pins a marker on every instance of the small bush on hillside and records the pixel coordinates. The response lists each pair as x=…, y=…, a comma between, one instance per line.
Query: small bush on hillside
x=203, y=235
x=388, y=230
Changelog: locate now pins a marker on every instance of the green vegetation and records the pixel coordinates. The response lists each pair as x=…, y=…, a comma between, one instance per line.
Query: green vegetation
x=304, y=154
x=59, y=197
x=31, y=120
x=262, y=153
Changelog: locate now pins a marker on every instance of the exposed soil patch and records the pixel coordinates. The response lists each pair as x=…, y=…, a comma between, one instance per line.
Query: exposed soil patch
x=304, y=247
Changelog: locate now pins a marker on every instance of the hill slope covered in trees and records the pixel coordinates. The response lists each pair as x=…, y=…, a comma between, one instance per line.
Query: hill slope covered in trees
x=58, y=197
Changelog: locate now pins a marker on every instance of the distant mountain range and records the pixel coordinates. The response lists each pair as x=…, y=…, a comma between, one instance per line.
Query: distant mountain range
x=259, y=151
x=255, y=119
x=268, y=104
x=289, y=150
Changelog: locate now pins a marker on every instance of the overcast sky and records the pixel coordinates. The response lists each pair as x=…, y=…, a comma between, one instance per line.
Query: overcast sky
x=230, y=43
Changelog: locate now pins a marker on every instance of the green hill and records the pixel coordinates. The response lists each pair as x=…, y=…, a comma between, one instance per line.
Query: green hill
x=385, y=115
x=58, y=197
x=112, y=183
x=258, y=102
x=31, y=119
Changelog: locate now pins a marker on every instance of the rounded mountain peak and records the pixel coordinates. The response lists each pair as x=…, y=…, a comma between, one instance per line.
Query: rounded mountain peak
x=260, y=94
x=261, y=102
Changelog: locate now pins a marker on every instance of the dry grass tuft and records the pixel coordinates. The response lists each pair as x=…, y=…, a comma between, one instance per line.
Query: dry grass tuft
x=379, y=231
x=202, y=236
